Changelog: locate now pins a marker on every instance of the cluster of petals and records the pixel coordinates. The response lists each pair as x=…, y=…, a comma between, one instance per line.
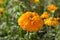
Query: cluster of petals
x=52, y=7
x=36, y=1
x=45, y=15
x=30, y=21
x=51, y=21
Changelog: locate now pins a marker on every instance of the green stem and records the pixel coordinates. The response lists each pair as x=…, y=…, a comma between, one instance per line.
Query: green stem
x=27, y=35
x=52, y=14
x=48, y=29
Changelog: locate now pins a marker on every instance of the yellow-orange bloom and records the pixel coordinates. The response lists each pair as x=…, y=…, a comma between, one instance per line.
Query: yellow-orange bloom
x=45, y=15
x=36, y=1
x=1, y=1
x=50, y=22
x=1, y=9
x=57, y=19
x=52, y=7
x=54, y=23
x=30, y=21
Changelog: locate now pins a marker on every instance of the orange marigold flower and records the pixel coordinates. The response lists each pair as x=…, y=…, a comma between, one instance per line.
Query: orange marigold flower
x=1, y=1
x=45, y=15
x=56, y=19
x=30, y=21
x=52, y=7
x=36, y=1
x=50, y=22
x=1, y=9
x=54, y=23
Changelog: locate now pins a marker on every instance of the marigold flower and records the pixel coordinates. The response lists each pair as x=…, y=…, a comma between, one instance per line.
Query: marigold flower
x=36, y=1
x=56, y=19
x=50, y=22
x=30, y=21
x=1, y=1
x=52, y=7
x=45, y=15
x=1, y=9
x=54, y=23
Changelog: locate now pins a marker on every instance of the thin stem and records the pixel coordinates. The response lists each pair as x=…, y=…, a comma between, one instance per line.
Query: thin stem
x=27, y=35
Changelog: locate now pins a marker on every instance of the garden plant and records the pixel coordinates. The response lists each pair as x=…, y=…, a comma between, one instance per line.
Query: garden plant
x=29, y=19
